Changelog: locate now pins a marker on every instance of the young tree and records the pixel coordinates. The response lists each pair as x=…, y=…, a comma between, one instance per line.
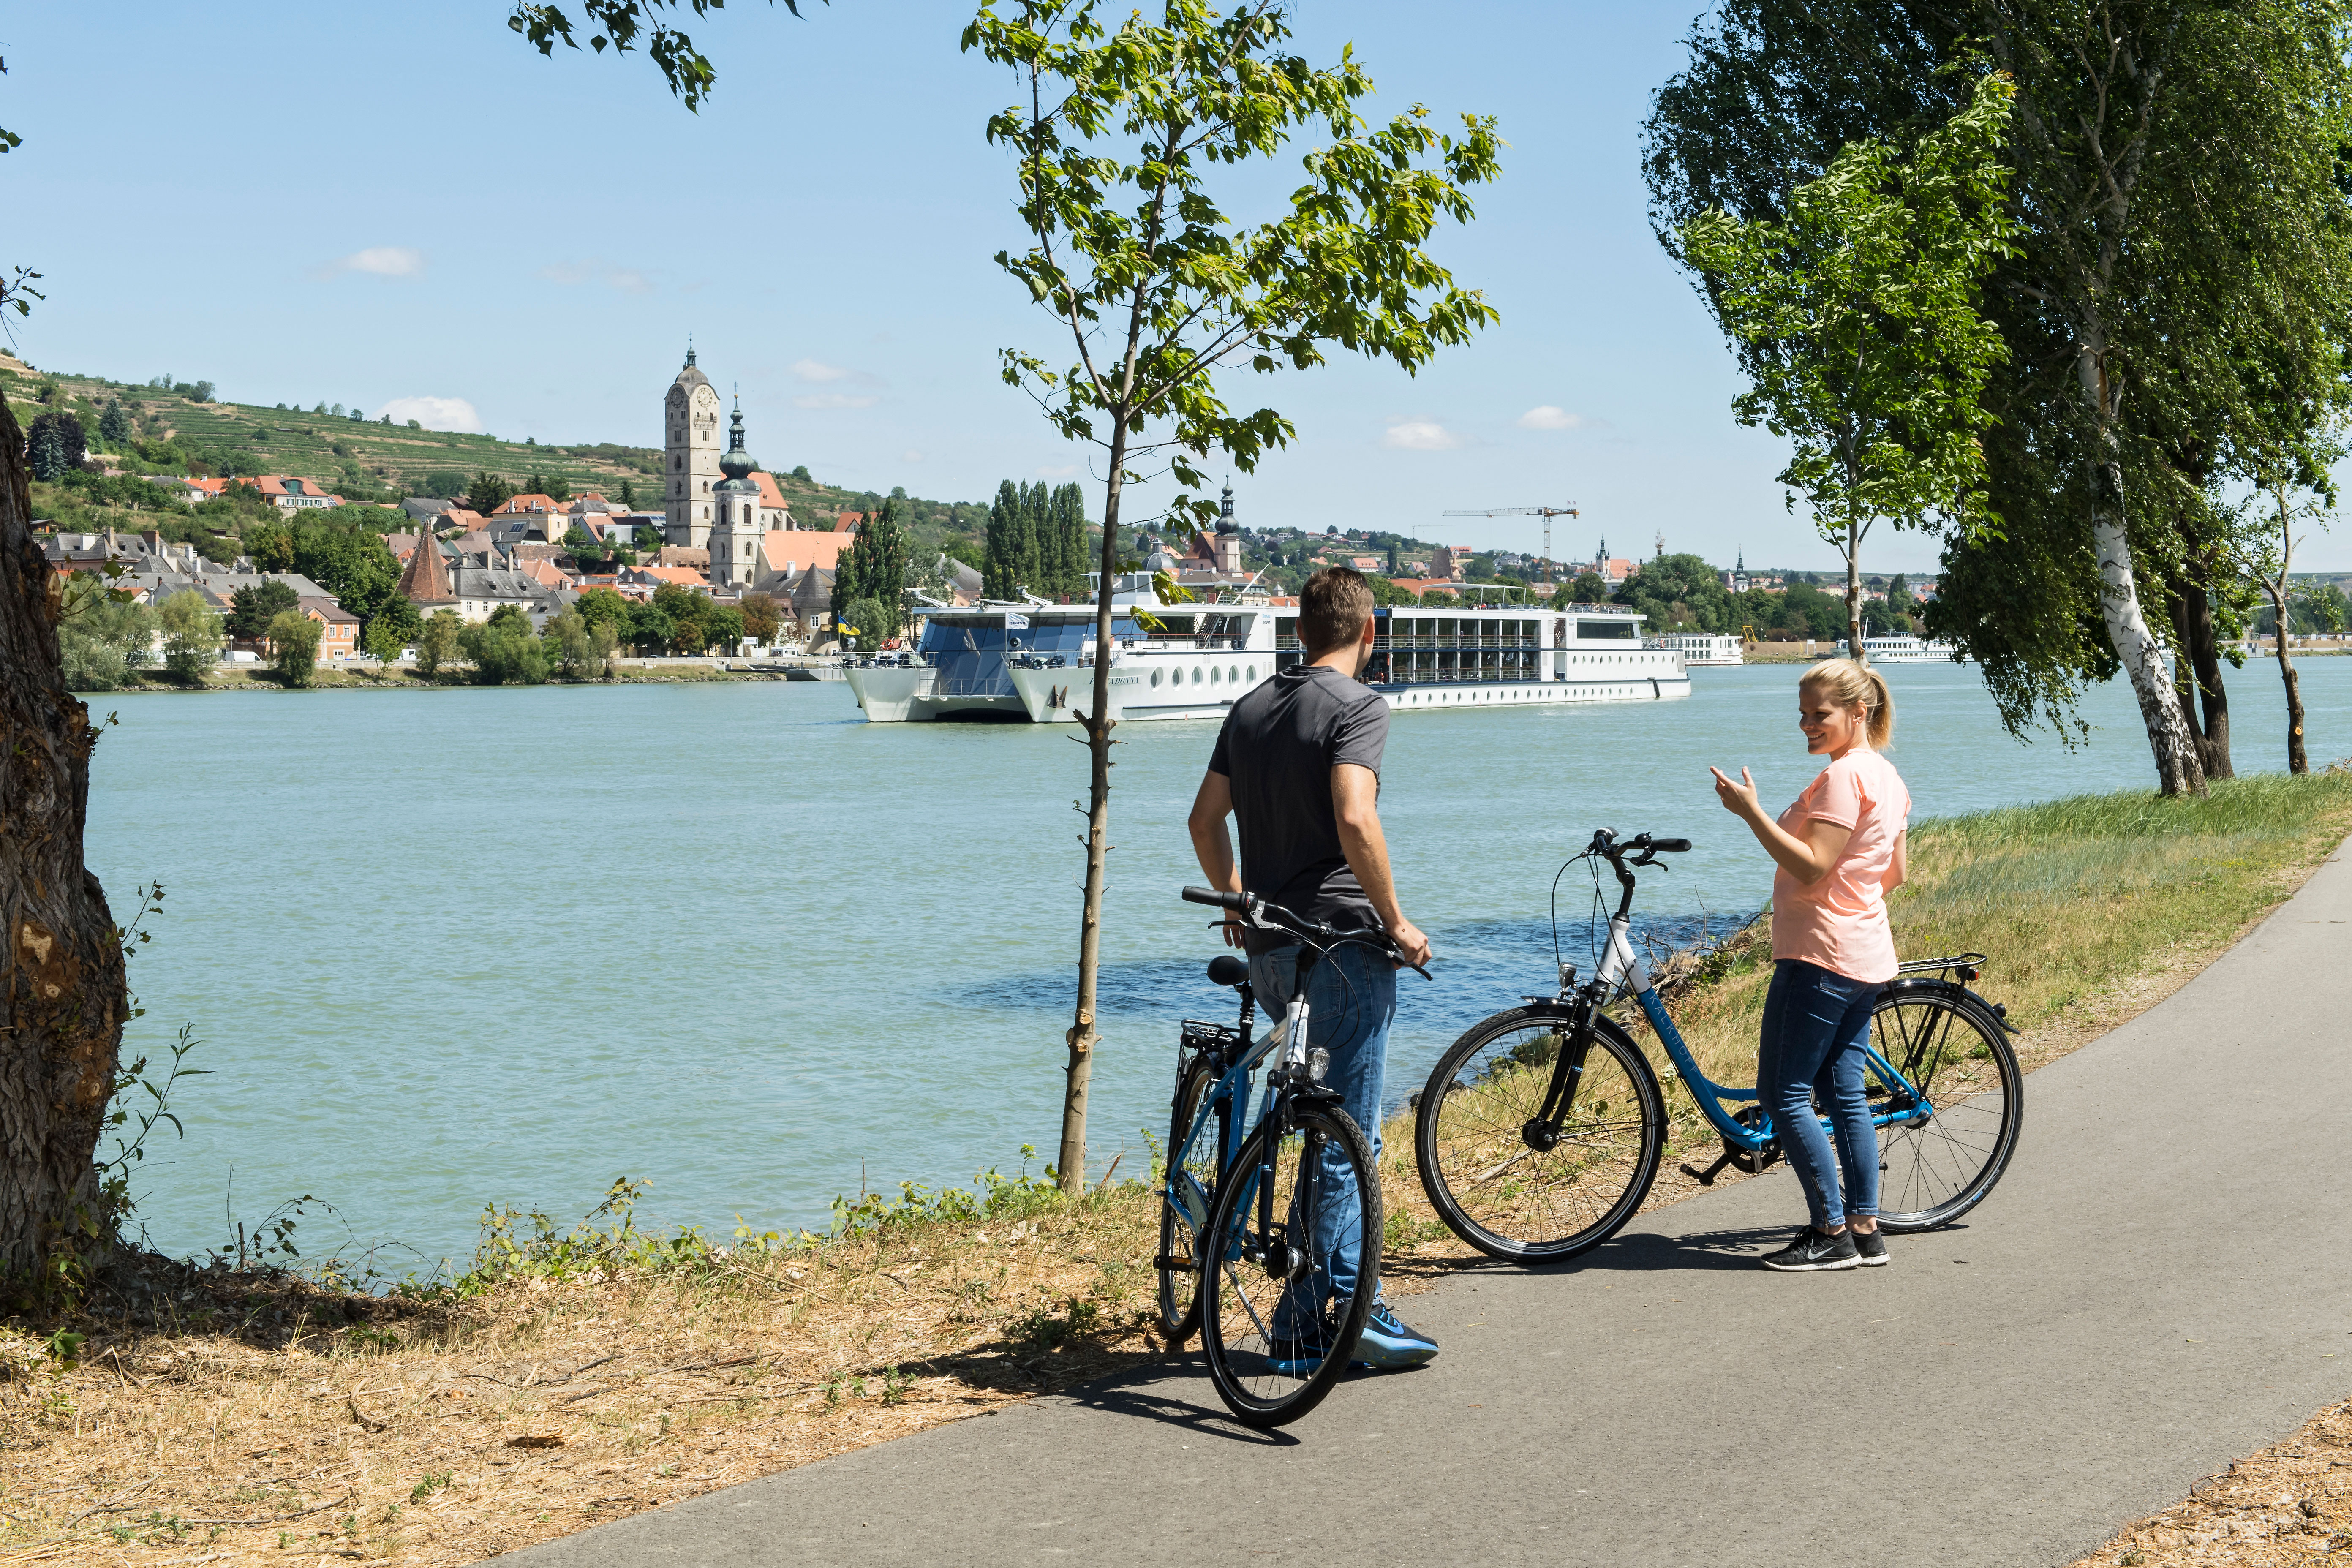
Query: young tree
x=437, y=644
x=1133, y=254
x=1857, y=315
x=294, y=647
x=192, y=635
x=101, y=638
x=761, y=619
x=114, y=425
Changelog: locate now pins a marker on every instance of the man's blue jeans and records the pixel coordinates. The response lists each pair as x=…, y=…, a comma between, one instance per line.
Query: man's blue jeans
x=1352, y=999
x=1816, y=1027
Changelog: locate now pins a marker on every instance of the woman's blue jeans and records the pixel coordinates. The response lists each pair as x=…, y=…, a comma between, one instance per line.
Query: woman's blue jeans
x=1352, y=999
x=1816, y=1027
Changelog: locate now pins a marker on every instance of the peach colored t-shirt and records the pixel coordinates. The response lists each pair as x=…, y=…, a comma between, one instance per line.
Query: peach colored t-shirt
x=1840, y=922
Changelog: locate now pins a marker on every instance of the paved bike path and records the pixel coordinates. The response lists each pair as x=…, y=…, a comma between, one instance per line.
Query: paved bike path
x=2162, y=1282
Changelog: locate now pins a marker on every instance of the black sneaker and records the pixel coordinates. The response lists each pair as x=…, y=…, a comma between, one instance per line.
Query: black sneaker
x=1870, y=1248
x=1812, y=1251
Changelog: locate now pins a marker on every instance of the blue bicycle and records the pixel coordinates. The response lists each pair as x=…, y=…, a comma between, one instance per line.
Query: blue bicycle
x=1542, y=1127
x=1284, y=1212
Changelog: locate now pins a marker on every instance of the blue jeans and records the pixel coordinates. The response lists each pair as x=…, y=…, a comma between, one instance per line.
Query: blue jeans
x=1351, y=1002
x=1816, y=1026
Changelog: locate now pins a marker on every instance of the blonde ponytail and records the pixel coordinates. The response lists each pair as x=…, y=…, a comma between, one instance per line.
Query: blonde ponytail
x=1850, y=683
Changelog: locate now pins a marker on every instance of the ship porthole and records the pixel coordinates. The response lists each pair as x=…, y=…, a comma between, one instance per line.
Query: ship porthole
x=1155, y=678
x=1252, y=672
x=1213, y=674
x=1196, y=677
x=1233, y=674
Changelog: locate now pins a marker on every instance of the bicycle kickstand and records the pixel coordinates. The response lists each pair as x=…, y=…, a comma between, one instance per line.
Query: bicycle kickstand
x=1706, y=1178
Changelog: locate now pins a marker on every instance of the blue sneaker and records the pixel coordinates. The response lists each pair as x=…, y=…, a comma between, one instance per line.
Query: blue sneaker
x=1387, y=1344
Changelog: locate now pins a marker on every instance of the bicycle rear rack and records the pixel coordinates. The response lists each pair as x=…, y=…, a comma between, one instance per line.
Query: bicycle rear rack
x=1968, y=964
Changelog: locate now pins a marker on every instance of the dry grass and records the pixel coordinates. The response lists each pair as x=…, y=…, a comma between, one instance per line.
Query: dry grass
x=224, y=1418
x=2288, y=1504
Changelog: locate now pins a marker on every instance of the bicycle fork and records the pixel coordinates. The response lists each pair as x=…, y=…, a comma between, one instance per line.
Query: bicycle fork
x=1285, y=1259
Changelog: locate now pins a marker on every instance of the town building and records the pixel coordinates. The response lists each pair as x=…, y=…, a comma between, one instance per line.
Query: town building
x=693, y=466
x=338, y=630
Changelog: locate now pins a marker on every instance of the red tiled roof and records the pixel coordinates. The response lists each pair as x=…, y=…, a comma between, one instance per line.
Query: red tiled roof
x=847, y=522
x=516, y=505
x=424, y=581
x=797, y=549
x=770, y=496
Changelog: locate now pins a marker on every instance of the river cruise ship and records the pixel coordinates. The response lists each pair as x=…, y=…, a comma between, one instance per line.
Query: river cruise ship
x=1907, y=650
x=1700, y=647
x=1034, y=663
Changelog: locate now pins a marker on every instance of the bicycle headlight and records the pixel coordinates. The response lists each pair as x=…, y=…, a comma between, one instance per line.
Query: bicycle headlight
x=1319, y=1062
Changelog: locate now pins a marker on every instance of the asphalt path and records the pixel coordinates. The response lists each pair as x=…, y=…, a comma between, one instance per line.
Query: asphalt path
x=2161, y=1283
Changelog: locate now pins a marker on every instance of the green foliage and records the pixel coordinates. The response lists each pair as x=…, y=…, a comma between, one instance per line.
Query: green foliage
x=868, y=617
x=294, y=647
x=488, y=493
x=1678, y=593
x=504, y=650
x=114, y=425
x=100, y=638
x=761, y=618
x=55, y=445
x=1129, y=242
x=438, y=642
x=252, y=609
x=444, y=484
x=601, y=607
x=1857, y=323
x=874, y=570
x=583, y=651
x=617, y=24
x=192, y=635
x=1036, y=540
x=391, y=629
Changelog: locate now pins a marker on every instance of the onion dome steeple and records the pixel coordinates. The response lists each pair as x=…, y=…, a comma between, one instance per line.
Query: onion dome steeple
x=737, y=464
x=1225, y=523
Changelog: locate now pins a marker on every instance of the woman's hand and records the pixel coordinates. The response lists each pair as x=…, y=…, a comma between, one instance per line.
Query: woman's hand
x=1739, y=799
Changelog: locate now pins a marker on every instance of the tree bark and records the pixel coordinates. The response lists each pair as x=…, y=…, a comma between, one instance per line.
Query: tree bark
x=66, y=997
x=1071, y=1165
x=2178, y=771
x=2296, y=762
x=2201, y=678
x=1853, y=593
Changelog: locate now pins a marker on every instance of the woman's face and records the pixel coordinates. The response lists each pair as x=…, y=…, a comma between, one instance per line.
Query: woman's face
x=1830, y=730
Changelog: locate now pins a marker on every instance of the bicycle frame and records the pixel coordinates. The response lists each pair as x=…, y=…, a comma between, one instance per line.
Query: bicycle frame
x=1622, y=968
x=1227, y=1104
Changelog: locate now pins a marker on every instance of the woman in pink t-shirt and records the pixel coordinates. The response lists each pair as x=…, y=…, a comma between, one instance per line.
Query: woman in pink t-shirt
x=1840, y=849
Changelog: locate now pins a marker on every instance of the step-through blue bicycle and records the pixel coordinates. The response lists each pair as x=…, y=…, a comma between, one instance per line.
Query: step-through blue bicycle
x=1542, y=1127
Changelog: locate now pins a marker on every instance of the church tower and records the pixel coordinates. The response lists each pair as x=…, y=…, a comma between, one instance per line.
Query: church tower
x=690, y=457
x=736, y=526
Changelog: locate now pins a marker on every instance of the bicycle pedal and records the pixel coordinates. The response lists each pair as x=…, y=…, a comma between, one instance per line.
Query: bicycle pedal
x=1704, y=1178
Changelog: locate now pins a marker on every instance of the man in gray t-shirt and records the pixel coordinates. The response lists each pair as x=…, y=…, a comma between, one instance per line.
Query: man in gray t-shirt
x=1297, y=767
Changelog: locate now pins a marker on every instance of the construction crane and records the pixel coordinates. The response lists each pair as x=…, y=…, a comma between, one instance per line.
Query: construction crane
x=1546, y=513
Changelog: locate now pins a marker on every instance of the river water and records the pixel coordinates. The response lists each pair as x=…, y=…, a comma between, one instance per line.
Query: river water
x=450, y=947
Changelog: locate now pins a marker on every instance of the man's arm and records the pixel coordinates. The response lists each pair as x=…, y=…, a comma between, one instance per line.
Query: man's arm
x=1355, y=801
x=1213, y=845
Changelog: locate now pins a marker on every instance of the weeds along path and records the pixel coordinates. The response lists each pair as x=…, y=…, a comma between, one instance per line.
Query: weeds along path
x=2025, y=1385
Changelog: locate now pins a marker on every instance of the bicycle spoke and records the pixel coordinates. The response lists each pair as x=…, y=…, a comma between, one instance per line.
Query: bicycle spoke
x=1933, y=1170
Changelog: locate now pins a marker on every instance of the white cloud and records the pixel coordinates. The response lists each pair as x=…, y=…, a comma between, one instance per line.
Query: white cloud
x=433, y=413
x=568, y=271
x=379, y=261
x=835, y=400
x=629, y=280
x=817, y=371
x=1058, y=471
x=1419, y=435
x=910, y=455
x=1544, y=416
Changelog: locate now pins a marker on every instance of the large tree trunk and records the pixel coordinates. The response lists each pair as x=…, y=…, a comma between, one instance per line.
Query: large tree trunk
x=1072, y=1164
x=2178, y=771
x=1853, y=591
x=66, y=998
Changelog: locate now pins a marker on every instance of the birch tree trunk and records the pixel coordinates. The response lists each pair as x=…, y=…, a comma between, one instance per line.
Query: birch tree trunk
x=1853, y=591
x=2146, y=660
x=63, y=971
x=1071, y=1164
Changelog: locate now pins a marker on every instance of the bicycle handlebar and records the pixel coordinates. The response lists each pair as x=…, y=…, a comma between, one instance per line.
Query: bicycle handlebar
x=1258, y=915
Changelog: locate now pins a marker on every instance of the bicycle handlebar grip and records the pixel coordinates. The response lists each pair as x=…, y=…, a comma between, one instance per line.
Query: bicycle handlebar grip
x=1211, y=895
x=1670, y=846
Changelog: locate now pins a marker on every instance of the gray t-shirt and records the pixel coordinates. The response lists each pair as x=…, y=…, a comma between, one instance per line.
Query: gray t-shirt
x=1279, y=748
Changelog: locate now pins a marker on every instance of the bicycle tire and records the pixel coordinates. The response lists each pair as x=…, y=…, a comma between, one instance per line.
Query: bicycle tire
x=1179, y=1296
x=1955, y=1052
x=1559, y=1201
x=1240, y=1300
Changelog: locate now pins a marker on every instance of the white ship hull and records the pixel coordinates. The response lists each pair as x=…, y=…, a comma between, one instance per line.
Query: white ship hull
x=1059, y=696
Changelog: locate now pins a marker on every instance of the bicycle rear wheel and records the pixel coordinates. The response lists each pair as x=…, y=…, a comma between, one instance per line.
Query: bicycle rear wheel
x=1501, y=1193
x=1180, y=1274
x=1956, y=1055
x=1284, y=1303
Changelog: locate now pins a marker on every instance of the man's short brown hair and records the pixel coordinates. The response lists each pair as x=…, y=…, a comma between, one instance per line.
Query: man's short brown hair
x=1332, y=609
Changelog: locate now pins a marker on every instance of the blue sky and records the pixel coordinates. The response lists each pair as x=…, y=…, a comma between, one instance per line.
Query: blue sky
x=386, y=203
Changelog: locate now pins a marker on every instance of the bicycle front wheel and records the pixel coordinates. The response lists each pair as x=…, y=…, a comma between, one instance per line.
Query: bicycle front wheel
x=1957, y=1056
x=1291, y=1261
x=1497, y=1190
x=1189, y=1186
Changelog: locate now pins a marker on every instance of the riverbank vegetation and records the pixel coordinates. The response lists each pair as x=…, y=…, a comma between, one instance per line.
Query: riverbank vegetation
x=570, y=1375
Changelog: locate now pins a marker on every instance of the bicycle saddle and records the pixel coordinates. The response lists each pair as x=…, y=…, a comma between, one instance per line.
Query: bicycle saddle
x=1227, y=970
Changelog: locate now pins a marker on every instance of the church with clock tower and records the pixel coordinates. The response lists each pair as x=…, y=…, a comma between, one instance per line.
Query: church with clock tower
x=690, y=457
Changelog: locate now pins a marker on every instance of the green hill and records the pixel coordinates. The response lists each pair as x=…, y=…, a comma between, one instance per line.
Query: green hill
x=175, y=431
